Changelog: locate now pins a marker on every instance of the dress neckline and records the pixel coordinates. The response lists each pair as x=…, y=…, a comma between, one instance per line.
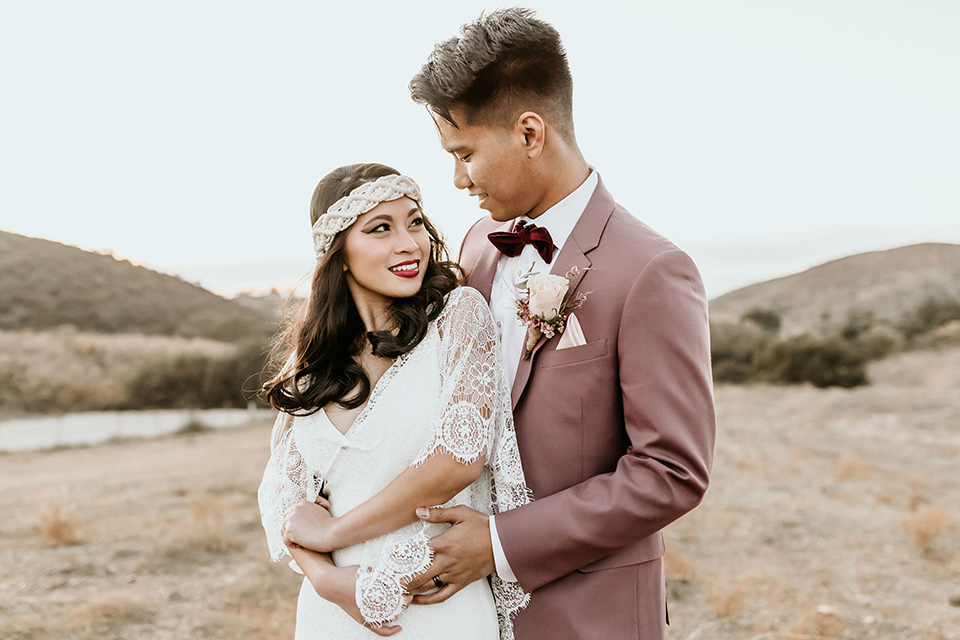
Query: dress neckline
x=375, y=393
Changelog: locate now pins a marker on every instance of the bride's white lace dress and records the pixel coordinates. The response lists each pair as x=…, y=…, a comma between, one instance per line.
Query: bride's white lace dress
x=446, y=395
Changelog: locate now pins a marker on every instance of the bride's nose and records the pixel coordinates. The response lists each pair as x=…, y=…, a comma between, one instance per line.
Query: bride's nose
x=405, y=243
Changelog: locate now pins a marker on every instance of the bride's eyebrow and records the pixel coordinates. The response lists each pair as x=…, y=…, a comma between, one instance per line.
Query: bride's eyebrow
x=378, y=218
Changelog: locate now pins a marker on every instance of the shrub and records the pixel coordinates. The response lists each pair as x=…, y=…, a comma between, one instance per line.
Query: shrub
x=930, y=315
x=823, y=362
x=732, y=372
x=229, y=327
x=766, y=319
x=878, y=342
x=199, y=380
x=57, y=525
x=732, y=349
x=858, y=322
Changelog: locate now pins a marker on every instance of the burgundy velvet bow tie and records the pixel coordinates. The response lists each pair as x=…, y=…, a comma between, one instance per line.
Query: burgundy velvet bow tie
x=511, y=243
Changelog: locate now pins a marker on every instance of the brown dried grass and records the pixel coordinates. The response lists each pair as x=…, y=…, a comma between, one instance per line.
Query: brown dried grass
x=852, y=466
x=70, y=371
x=928, y=525
x=58, y=525
x=109, y=614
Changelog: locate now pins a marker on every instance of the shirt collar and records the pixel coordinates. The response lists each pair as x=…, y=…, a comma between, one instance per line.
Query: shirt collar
x=562, y=217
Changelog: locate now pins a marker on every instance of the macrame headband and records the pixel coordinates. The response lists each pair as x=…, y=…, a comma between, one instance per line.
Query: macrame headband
x=345, y=211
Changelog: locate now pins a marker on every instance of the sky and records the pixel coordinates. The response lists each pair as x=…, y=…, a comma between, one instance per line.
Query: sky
x=763, y=137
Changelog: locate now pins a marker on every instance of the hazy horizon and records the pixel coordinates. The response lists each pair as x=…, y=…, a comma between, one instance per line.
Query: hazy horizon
x=256, y=278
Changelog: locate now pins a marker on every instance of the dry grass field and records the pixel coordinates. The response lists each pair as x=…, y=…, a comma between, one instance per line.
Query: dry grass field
x=54, y=369
x=832, y=514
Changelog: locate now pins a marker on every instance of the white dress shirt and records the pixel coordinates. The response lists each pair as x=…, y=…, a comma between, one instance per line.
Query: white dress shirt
x=560, y=219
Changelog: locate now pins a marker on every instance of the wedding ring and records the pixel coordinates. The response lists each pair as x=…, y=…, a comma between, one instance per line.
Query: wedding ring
x=437, y=581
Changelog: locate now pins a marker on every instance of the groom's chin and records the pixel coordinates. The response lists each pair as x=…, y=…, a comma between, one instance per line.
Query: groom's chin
x=501, y=215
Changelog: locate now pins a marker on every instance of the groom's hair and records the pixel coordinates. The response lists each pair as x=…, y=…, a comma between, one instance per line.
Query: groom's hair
x=497, y=67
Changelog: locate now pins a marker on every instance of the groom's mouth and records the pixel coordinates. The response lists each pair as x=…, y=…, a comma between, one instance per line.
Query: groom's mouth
x=481, y=198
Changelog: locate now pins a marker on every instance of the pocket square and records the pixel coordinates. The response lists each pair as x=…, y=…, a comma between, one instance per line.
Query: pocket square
x=572, y=335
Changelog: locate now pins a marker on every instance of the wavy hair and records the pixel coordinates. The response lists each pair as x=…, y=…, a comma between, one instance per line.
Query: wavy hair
x=499, y=65
x=316, y=358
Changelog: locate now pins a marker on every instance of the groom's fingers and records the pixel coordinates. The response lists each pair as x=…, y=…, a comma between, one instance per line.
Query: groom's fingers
x=451, y=515
x=461, y=554
x=438, y=596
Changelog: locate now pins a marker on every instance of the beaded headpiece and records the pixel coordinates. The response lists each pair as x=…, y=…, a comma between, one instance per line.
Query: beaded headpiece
x=345, y=211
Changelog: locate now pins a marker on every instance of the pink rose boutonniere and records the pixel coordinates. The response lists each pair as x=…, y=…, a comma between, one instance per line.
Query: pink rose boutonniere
x=543, y=306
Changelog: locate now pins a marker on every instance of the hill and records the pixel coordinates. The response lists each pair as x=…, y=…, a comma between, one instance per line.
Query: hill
x=890, y=285
x=44, y=285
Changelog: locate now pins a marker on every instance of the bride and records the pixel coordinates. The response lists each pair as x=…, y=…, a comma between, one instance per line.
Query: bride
x=392, y=398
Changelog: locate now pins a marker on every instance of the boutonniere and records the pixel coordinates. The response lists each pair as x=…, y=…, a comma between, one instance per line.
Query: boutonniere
x=543, y=307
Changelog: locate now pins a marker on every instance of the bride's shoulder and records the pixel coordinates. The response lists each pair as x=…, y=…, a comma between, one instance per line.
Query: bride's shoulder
x=465, y=305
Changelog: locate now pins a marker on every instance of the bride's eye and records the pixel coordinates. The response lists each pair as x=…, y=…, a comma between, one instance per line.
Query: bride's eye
x=416, y=222
x=383, y=226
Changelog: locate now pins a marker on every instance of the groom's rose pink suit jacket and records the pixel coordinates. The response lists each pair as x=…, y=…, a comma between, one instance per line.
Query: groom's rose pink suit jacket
x=616, y=436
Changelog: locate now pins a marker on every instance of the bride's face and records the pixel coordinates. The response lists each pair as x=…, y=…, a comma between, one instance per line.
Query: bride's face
x=386, y=252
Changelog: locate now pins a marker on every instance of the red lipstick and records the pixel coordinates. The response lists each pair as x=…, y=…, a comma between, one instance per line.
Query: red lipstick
x=408, y=269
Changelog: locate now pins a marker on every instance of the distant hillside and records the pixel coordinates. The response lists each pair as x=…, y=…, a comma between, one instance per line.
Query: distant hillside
x=889, y=284
x=44, y=285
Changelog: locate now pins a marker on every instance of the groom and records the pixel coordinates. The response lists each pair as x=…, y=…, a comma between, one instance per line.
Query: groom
x=615, y=419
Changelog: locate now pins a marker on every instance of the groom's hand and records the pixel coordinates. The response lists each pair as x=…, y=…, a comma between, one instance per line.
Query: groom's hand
x=461, y=554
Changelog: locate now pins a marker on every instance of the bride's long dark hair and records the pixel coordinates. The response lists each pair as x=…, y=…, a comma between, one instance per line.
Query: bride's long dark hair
x=327, y=335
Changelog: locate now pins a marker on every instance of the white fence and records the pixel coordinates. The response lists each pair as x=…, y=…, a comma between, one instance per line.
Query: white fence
x=98, y=426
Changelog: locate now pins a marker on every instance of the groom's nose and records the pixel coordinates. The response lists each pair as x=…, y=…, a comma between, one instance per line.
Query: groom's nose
x=461, y=179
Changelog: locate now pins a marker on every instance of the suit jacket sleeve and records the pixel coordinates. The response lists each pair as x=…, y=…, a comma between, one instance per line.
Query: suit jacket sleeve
x=667, y=392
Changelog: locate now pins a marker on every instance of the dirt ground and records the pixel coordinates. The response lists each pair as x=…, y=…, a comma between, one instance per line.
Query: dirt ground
x=831, y=514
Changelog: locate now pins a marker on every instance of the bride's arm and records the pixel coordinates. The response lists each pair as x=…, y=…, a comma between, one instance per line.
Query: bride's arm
x=454, y=457
x=336, y=584
x=436, y=480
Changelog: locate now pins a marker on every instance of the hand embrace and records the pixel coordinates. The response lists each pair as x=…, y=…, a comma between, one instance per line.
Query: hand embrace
x=310, y=525
x=461, y=554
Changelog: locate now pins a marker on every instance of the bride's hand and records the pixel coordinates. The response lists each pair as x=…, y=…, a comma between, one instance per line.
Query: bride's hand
x=337, y=585
x=310, y=525
x=341, y=589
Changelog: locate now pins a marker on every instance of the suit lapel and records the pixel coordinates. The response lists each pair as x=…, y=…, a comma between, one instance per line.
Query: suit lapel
x=584, y=238
x=485, y=268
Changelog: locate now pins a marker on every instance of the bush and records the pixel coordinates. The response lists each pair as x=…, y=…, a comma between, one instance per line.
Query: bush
x=823, y=362
x=765, y=319
x=228, y=327
x=199, y=381
x=858, y=322
x=731, y=372
x=930, y=315
x=878, y=342
x=732, y=348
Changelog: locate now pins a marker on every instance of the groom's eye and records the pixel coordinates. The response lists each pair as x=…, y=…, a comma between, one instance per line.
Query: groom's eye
x=465, y=158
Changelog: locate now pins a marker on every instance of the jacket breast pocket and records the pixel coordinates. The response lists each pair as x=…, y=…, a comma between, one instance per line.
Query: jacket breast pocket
x=573, y=355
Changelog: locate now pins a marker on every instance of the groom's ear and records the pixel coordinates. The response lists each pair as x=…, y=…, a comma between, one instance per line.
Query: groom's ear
x=531, y=127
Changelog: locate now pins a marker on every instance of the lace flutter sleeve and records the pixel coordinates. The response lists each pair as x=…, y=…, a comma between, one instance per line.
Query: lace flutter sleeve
x=286, y=481
x=472, y=388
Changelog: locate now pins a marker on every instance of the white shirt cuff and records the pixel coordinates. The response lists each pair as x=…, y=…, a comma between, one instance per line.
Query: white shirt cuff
x=500, y=560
